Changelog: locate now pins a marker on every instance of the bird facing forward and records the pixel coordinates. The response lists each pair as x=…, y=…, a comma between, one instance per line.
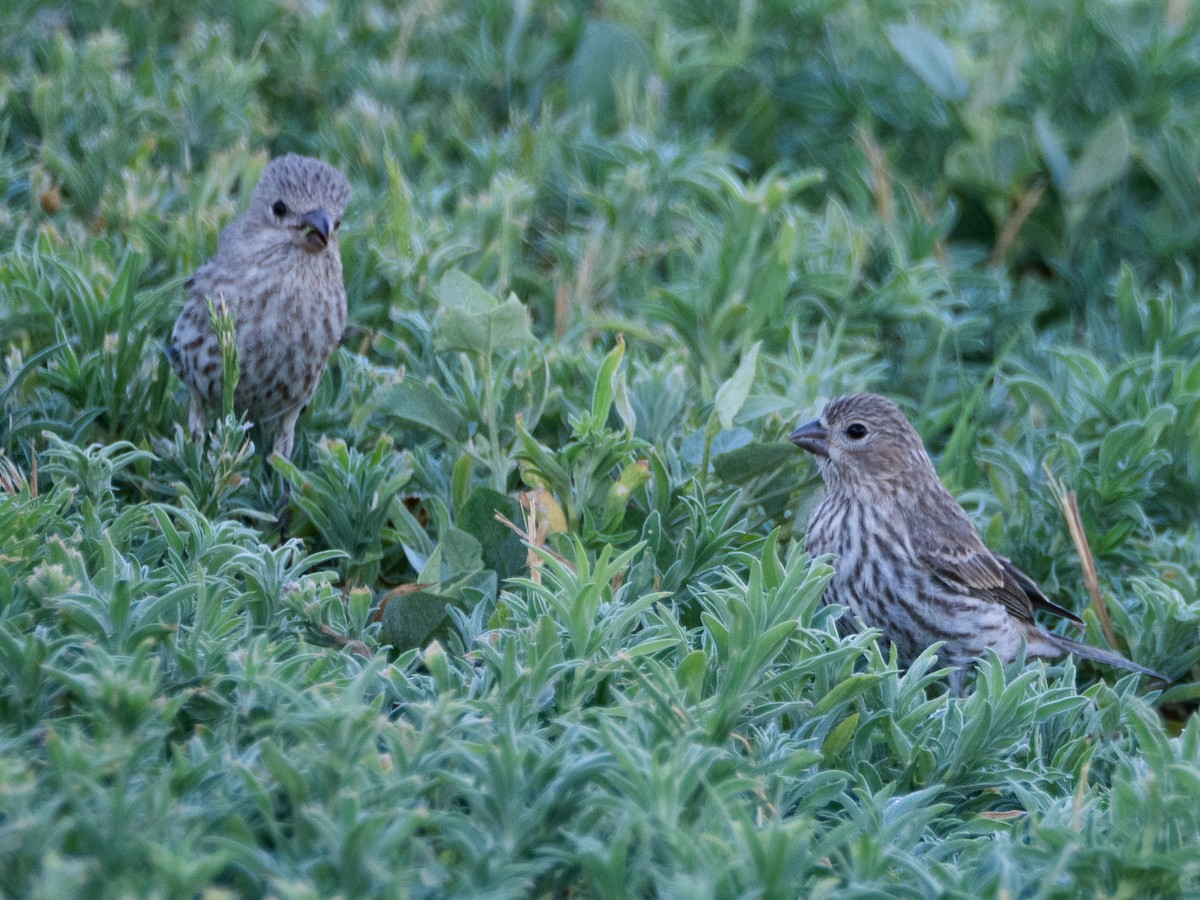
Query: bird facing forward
x=278, y=271
x=909, y=562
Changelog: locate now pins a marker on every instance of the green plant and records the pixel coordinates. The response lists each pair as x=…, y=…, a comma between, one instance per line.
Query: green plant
x=540, y=622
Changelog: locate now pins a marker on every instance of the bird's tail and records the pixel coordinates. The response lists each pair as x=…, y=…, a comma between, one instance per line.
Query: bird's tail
x=172, y=352
x=1096, y=654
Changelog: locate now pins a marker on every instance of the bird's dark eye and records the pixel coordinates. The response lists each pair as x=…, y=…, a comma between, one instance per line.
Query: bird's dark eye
x=856, y=431
x=279, y=208
x=337, y=224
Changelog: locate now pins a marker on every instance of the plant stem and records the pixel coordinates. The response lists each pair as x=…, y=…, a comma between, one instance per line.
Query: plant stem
x=496, y=461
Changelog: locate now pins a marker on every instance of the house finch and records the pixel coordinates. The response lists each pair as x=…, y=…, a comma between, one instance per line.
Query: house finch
x=278, y=271
x=909, y=561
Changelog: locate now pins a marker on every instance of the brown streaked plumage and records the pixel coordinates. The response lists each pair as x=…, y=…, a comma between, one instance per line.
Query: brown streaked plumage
x=278, y=269
x=909, y=561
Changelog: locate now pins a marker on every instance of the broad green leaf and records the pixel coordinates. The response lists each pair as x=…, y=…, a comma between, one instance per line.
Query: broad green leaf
x=931, y=58
x=410, y=620
x=1104, y=161
x=756, y=458
x=459, y=290
x=733, y=393
x=417, y=403
x=722, y=442
x=475, y=322
x=501, y=549
x=462, y=554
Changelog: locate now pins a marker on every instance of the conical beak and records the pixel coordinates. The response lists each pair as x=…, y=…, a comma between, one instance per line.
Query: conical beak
x=316, y=226
x=812, y=437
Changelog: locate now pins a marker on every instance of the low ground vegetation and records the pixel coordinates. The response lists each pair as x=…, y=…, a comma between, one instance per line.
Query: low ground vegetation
x=540, y=623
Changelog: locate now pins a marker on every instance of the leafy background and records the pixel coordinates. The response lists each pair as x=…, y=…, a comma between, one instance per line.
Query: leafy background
x=600, y=260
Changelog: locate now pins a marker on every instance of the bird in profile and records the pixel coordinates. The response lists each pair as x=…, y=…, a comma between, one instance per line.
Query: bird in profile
x=909, y=562
x=278, y=271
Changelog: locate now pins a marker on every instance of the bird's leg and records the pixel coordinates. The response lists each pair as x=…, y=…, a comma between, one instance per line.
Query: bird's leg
x=285, y=439
x=196, y=417
x=285, y=434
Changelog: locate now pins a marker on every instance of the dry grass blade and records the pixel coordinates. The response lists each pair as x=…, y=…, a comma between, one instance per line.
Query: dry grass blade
x=881, y=176
x=1069, y=504
x=355, y=646
x=395, y=592
x=1080, y=794
x=537, y=527
x=1006, y=815
x=1029, y=201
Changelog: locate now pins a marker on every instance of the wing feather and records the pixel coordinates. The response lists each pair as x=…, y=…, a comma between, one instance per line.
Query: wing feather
x=963, y=563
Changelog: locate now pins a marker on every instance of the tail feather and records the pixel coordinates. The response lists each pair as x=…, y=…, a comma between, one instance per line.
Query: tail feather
x=1096, y=654
x=173, y=356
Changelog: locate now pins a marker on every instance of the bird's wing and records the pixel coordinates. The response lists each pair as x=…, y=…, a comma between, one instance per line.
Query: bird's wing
x=960, y=560
x=1036, y=597
x=215, y=279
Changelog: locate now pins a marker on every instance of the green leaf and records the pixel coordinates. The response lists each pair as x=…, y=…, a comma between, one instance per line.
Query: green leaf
x=719, y=442
x=358, y=608
x=624, y=403
x=277, y=763
x=690, y=675
x=416, y=403
x=839, y=738
x=501, y=549
x=462, y=554
x=1053, y=154
x=1104, y=161
x=458, y=290
x=475, y=322
x=608, y=57
x=733, y=393
x=602, y=396
x=632, y=477
x=931, y=58
x=752, y=460
x=720, y=635
x=541, y=467
x=460, y=480
x=410, y=620
x=845, y=691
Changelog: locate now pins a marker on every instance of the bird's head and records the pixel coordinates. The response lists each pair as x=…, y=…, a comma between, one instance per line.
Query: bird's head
x=864, y=441
x=301, y=200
